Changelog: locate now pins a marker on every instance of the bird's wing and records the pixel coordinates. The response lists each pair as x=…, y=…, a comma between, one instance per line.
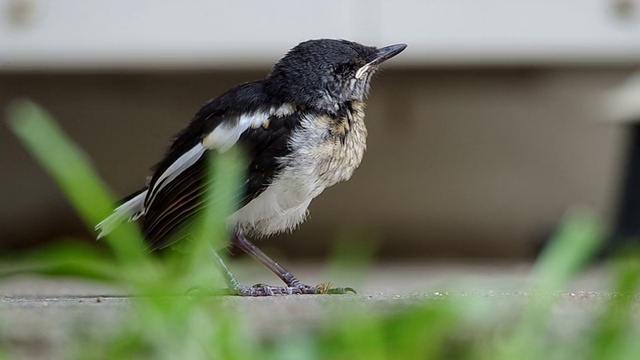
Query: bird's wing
x=176, y=189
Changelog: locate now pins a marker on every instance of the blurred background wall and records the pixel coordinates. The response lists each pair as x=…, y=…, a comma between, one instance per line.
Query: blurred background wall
x=482, y=134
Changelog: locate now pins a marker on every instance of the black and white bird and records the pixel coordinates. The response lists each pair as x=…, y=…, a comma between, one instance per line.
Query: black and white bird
x=303, y=130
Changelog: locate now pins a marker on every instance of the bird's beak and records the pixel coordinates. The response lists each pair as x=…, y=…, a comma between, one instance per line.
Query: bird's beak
x=382, y=55
x=387, y=53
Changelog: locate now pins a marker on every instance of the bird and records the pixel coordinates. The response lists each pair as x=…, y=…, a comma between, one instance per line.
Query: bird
x=302, y=129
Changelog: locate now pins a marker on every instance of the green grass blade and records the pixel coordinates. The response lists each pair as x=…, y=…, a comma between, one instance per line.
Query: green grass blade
x=72, y=171
x=612, y=337
x=568, y=251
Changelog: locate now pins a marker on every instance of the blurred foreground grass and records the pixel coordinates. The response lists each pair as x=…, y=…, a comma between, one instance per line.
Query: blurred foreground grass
x=165, y=324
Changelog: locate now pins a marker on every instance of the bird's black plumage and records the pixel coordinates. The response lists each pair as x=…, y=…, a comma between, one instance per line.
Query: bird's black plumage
x=264, y=146
x=228, y=107
x=302, y=129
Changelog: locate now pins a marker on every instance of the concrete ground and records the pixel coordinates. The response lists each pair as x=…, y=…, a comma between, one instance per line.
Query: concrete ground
x=36, y=313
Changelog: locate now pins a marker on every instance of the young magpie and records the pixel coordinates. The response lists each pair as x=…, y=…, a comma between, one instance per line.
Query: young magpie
x=302, y=128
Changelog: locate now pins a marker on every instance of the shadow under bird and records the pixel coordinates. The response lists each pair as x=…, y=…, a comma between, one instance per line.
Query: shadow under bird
x=303, y=130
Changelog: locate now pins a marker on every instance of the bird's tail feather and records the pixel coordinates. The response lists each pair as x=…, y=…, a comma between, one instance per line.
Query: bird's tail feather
x=130, y=210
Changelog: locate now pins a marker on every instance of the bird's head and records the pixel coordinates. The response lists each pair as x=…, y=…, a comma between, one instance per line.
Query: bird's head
x=325, y=73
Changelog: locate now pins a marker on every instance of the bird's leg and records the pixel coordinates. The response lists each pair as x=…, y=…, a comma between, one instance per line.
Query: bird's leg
x=294, y=286
x=288, y=278
x=243, y=290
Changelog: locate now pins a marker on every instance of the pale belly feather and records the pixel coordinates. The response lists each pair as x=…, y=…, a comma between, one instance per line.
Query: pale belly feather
x=319, y=159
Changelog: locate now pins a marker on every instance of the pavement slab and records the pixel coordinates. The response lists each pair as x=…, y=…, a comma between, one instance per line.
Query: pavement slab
x=39, y=315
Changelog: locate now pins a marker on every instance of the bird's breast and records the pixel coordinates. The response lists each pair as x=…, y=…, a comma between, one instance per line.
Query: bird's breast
x=327, y=150
x=324, y=151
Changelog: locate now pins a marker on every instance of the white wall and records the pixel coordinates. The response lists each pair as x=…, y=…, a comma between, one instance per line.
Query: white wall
x=41, y=34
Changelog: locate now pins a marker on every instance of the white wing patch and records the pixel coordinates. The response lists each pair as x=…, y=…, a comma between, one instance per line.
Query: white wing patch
x=226, y=135
x=130, y=211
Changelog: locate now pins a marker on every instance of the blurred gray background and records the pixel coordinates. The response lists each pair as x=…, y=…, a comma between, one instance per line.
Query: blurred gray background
x=498, y=118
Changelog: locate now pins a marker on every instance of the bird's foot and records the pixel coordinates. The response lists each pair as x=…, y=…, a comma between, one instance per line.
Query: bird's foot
x=269, y=290
x=300, y=289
